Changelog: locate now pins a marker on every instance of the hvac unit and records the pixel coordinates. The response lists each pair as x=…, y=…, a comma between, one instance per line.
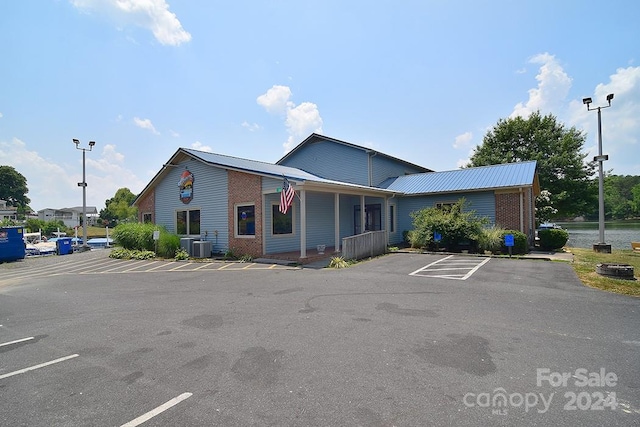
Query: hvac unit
x=201, y=249
x=186, y=243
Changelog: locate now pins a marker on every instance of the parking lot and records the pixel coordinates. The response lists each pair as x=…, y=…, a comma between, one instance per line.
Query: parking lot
x=87, y=340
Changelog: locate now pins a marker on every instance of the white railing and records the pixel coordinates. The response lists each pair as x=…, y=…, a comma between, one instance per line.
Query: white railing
x=364, y=245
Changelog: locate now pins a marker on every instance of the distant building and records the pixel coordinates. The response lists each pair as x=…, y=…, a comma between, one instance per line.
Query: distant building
x=69, y=216
x=7, y=212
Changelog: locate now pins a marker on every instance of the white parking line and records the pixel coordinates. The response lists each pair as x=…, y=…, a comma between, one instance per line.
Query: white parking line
x=16, y=341
x=160, y=409
x=459, y=269
x=42, y=365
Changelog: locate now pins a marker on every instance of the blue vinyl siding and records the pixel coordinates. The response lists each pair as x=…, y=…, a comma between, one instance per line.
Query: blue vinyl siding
x=332, y=161
x=320, y=223
x=209, y=195
x=484, y=203
x=384, y=167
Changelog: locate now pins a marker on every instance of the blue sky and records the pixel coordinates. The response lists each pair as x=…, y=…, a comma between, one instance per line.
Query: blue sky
x=419, y=80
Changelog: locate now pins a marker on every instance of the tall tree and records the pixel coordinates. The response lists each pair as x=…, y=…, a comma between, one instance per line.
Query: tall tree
x=118, y=208
x=562, y=169
x=13, y=187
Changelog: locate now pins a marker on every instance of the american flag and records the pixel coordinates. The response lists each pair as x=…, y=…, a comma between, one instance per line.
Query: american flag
x=286, y=196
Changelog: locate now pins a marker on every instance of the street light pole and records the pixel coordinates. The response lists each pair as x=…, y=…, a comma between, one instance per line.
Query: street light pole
x=601, y=246
x=83, y=184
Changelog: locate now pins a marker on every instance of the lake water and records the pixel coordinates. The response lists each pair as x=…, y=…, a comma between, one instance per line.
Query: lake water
x=618, y=234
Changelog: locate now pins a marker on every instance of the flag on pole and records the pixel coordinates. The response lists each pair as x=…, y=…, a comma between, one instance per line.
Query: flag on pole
x=286, y=196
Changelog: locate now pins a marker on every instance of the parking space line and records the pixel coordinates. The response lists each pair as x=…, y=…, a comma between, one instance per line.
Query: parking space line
x=16, y=341
x=448, y=268
x=475, y=269
x=42, y=365
x=226, y=265
x=253, y=263
x=155, y=268
x=160, y=409
x=429, y=265
x=179, y=267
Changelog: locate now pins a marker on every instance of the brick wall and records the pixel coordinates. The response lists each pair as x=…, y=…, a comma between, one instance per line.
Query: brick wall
x=245, y=188
x=147, y=205
x=508, y=210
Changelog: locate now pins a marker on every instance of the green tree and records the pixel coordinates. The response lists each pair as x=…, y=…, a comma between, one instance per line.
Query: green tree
x=13, y=187
x=619, y=197
x=118, y=208
x=562, y=169
x=635, y=201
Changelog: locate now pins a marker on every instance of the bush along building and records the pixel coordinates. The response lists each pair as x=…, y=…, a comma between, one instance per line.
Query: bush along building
x=339, y=190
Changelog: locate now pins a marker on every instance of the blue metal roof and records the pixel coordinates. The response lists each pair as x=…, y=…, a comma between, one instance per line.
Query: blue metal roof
x=252, y=165
x=521, y=174
x=263, y=168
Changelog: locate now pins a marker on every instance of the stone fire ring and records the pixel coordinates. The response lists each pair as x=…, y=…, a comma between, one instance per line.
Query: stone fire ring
x=616, y=271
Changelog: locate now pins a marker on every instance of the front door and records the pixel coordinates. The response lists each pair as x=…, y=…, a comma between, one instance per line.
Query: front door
x=372, y=215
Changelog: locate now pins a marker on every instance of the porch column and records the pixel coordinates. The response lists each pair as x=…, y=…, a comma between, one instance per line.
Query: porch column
x=303, y=224
x=387, y=219
x=362, y=214
x=336, y=215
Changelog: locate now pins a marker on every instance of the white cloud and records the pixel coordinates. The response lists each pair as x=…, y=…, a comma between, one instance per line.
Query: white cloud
x=153, y=15
x=553, y=86
x=620, y=126
x=1, y=116
x=56, y=186
x=252, y=127
x=463, y=140
x=300, y=120
x=276, y=99
x=174, y=134
x=145, y=124
x=200, y=146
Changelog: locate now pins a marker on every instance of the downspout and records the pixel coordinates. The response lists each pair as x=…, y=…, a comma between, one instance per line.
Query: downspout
x=371, y=155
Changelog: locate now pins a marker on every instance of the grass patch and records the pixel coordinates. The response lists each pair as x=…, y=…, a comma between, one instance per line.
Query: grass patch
x=584, y=264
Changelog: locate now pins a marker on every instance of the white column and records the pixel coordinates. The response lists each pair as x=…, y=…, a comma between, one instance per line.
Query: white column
x=303, y=224
x=336, y=214
x=521, y=210
x=362, y=214
x=387, y=222
x=265, y=211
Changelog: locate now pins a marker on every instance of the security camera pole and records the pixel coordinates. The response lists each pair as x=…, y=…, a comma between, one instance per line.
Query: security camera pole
x=83, y=184
x=601, y=246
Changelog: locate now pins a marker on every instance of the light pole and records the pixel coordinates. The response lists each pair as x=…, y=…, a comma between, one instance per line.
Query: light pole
x=601, y=246
x=83, y=184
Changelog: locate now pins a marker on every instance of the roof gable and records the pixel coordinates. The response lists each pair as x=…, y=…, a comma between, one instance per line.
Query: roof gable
x=314, y=137
x=507, y=175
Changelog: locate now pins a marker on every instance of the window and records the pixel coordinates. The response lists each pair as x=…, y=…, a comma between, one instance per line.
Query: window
x=392, y=218
x=188, y=222
x=282, y=223
x=445, y=206
x=245, y=220
x=147, y=218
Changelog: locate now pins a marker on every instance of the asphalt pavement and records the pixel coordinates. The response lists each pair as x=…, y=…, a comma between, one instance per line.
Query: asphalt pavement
x=401, y=340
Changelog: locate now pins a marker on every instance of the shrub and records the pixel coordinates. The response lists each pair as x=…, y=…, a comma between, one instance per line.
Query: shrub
x=459, y=229
x=181, y=255
x=491, y=240
x=168, y=244
x=552, y=238
x=338, y=262
x=521, y=246
x=135, y=235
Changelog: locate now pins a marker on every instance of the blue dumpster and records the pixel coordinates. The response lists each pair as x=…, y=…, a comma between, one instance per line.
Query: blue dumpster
x=63, y=246
x=12, y=245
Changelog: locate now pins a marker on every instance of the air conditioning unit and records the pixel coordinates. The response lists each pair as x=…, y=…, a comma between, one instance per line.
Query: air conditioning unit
x=201, y=249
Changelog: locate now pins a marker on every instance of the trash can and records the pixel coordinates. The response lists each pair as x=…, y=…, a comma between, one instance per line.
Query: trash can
x=12, y=244
x=63, y=246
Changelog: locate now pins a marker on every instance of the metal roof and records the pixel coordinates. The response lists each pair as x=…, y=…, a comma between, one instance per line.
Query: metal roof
x=521, y=174
x=269, y=169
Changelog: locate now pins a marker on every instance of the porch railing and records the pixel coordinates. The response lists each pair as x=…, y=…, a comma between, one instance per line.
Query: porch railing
x=364, y=245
